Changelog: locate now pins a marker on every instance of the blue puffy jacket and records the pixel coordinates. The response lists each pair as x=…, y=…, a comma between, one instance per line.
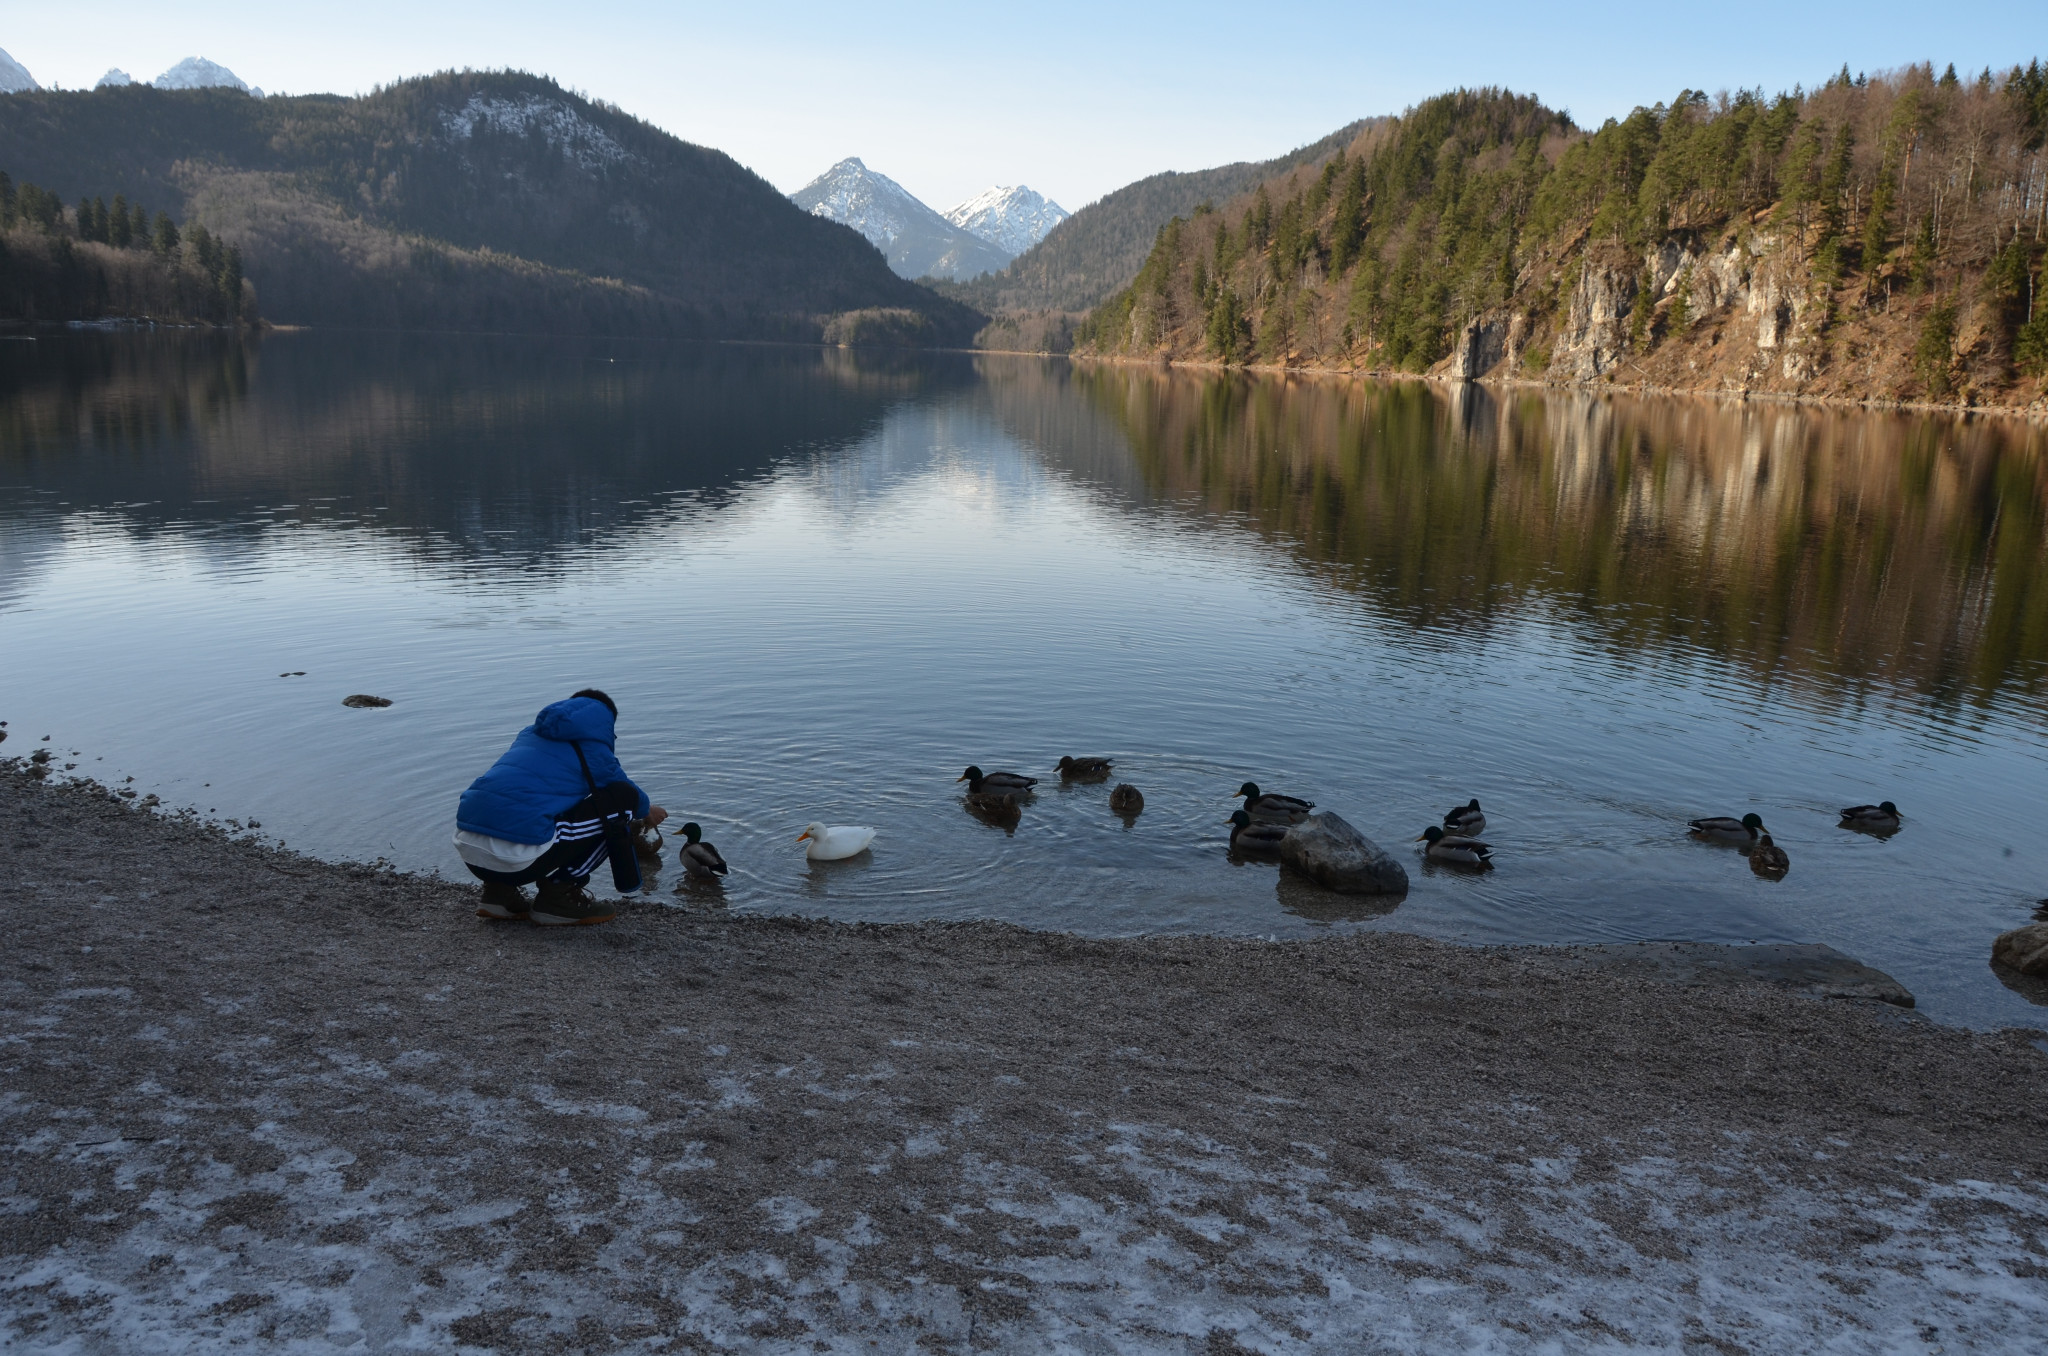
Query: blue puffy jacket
x=539, y=777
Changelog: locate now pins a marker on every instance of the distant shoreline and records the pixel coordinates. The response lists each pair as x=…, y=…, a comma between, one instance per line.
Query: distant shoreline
x=2033, y=413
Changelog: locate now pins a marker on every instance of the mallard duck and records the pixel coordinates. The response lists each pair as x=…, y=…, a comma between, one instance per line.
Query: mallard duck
x=980, y=783
x=1444, y=847
x=646, y=839
x=1768, y=859
x=1274, y=809
x=1882, y=817
x=1126, y=799
x=1465, y=819
x=839, y=841
x=1246, y=836
x=1721, y=829
x=1071, y=768
x=999, y=806
x=698, y=857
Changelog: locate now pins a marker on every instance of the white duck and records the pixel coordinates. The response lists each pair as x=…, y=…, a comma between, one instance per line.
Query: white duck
x=839, y=841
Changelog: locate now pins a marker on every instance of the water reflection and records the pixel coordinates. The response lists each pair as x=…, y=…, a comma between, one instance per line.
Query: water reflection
x=822, y=582
x=499, y=454
x=1839, y=549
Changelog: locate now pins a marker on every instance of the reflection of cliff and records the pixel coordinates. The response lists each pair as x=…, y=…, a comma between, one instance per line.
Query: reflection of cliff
x=1831, y=547
x=500, y=452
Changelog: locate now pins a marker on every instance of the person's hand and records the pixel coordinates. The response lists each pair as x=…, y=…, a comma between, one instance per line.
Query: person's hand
x=655, y=816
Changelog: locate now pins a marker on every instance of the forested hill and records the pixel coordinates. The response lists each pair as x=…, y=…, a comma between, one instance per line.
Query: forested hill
x=1101, y=247
x=471, y=200
x=1878, y=237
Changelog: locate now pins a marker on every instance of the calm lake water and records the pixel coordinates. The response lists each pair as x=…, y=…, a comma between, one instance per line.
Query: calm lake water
x=821, y=583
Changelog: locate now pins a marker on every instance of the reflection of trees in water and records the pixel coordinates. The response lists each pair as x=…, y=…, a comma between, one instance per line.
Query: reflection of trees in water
x=1838, y=547
x=123, y=393
x=499, y=452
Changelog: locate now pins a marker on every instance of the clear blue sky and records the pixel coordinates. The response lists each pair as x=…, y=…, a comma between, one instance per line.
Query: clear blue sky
x=1074, y=99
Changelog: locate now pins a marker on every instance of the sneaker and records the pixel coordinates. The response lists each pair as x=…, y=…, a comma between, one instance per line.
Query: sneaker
x=564, y=904
x=502, y=903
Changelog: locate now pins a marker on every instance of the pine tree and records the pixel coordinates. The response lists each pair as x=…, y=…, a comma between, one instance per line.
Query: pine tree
x=165, y=239
x=138, y=229
x=120, y=230
x=1900, y=133
x=1347, y=227
x=205, y=251
x=231, y=282
x=1935, y=349
x=6, y=202
x=1258, y=223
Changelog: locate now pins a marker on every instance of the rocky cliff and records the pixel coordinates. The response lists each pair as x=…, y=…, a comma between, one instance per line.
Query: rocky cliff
x=1876, y=239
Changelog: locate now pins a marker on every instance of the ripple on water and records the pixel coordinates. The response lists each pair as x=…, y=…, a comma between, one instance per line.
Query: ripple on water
x=821, y=589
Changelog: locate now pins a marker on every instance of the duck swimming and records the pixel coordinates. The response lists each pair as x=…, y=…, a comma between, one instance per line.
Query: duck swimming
x=646, y=840
x=1721, y=829
x=836, y=843
x=1768, y=859
x=1880, y=818
x=1465, y=819
x=995, y=807
x=1272, y=808
x=1249, y=837
x=698, y=857
x=1002, y=783
x=1071, y=768
x=1126, y=799
x=1444, y=847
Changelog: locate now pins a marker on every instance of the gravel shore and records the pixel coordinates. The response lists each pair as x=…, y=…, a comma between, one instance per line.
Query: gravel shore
x=254, y=1100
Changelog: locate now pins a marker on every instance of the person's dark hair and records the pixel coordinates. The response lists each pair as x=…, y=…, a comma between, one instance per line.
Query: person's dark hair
x=597, y=696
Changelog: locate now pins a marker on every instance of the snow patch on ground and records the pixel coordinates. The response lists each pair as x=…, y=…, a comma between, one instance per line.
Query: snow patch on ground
x=581, y=141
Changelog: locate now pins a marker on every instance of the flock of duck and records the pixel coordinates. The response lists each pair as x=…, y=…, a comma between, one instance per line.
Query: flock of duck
x=1261, y=826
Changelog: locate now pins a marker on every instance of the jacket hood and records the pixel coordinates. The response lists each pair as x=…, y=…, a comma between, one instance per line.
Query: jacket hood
x=575, y=718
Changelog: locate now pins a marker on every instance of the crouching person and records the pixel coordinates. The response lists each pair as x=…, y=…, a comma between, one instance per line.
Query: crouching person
x=539, y=815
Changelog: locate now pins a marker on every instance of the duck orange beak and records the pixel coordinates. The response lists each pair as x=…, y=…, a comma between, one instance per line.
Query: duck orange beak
x=802, y=836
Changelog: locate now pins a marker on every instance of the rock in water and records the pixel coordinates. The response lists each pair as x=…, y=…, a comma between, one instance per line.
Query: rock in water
x=2024, y=949
x=1338, y=857
x=365, y=699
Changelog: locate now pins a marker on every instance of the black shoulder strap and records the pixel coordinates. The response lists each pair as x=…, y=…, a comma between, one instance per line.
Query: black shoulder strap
x=588, y=780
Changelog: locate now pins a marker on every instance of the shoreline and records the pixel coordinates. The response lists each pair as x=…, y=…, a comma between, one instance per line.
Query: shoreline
x=256, y=1099
x=2037, y=412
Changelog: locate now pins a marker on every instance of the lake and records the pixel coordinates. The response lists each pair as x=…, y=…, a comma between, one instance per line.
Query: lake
x=820, y=583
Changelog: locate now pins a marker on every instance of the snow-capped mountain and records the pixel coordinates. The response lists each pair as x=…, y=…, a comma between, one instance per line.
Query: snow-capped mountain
x=917, y=241
x=14, y=77
x=1014, y=219
x=114, y=77
x=199, y=73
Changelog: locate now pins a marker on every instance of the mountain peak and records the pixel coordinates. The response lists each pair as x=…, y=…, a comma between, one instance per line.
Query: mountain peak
x=916, y=240
x=14, y=77
x=199, y=73
x=114, y=78
x=1015, y=218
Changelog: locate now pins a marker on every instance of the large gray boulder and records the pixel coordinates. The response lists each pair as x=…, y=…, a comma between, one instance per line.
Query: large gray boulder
x=1338, y=857
x=2024, y=949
